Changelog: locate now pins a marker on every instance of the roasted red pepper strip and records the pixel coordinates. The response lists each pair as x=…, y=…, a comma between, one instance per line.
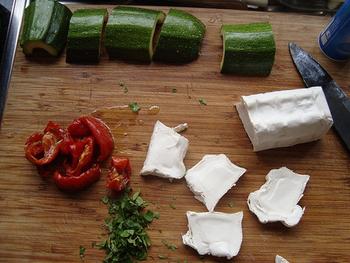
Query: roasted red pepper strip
x=77, y=183
x=102, y=135
x=42, y=149
x=91, y=126
x=119, y=174
x=81, y=155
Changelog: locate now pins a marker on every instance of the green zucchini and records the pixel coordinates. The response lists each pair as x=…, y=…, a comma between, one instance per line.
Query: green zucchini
x=180, y=38
x=248, y=49
x=84, y=35
x=130, y=31
x=45, y=27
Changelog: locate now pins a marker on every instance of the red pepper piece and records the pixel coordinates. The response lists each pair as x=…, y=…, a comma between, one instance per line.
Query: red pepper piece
x=102, y=135
x=78, y=129
x=77, y=183
x=81, y=153
x=119, y=174
x=42, y=149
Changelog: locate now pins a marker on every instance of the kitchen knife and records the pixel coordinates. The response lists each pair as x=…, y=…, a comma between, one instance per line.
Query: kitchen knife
x=313, y=74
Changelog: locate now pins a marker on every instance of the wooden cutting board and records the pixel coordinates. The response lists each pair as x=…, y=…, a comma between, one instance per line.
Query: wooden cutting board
x=38, y=223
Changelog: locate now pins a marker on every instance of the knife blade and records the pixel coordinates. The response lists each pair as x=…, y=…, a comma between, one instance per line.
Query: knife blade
x=313, y=74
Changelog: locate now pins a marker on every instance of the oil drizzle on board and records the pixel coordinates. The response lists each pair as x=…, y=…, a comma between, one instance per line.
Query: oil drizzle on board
x=126, y=125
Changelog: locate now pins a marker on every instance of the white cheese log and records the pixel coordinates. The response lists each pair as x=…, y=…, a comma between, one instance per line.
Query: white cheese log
x=285, y=118
x=214, y=233
x=280, y=259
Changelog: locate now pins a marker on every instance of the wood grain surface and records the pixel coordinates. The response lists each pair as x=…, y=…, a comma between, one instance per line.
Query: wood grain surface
x=38, y=223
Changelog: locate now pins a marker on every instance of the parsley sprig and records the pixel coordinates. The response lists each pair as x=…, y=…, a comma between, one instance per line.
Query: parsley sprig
x=127, y=239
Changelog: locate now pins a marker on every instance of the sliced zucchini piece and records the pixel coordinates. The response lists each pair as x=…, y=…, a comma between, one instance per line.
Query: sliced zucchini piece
x=180, y=38
x=248, y=49
x=45, y=27
x=130, y=32
x=85, y=34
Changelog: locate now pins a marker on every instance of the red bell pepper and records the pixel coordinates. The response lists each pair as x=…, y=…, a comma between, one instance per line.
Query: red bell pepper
x=77, y=183
x=88, y=125
x=119, y=174
x=42, y=149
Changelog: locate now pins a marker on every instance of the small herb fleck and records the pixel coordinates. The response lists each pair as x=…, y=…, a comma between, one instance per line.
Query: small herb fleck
x=82, y=252
x=168, y=245
x=230, y=204
x=202, y=101
x=172, y=206
x=105, y=200
x=174, y=90
x=134, y=107
x=162, y=257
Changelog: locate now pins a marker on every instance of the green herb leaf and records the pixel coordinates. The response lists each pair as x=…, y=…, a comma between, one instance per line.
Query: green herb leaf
x=172, y=206
x=170, y=246
x=174, y=90
x=162, y=257
x=82, y=252
x=105, y=200
x=202, y=101
x=230, y=204
x=134, y=107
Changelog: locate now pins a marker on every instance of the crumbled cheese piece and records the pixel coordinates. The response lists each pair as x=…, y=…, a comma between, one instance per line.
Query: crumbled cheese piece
x=214, y=233
x=280, y=259
x=212, y=177
x=277, y=199
x=181, y=127
x=285, y=118
x=165, y=154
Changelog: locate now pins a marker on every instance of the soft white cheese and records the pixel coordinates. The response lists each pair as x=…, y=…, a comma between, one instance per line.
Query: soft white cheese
x=280, y=259
x=165, y=154
x=285, y=118
x=212, y=177
x=277, y=199
x=214, y=233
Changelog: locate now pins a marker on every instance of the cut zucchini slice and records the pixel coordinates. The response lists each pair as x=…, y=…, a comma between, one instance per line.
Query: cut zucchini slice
x=85, y=34
x=248, y=49
x=45, y=27
x=130, y=32
x=180, y=38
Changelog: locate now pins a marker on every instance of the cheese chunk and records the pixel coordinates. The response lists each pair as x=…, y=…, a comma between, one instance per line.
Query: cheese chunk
x=285, y=118
x=211, y=178
x=166, y=152
x=277, y=199
x=214, y=233
x=280, y=259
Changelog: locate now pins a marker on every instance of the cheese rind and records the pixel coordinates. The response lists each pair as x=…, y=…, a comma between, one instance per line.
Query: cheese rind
x=212, y=177
x=214, y=233
x=285, y=118
x=280, y=259
x=165, y=154
x=277, y=199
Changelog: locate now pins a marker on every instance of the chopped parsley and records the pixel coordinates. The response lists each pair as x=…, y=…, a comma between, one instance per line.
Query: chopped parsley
x=230, y=204
x=127, y=239
x=168, y=245
x=174, y=90
x=172, y=206
x=202, y=101
x=134, y=107
x=82, y=252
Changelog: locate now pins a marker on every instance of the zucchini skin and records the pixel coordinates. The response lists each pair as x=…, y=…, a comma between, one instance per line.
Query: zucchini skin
x=130, y=31
x=45, y=26
x=84, y=35
x=180, y=38
x=249, y=49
